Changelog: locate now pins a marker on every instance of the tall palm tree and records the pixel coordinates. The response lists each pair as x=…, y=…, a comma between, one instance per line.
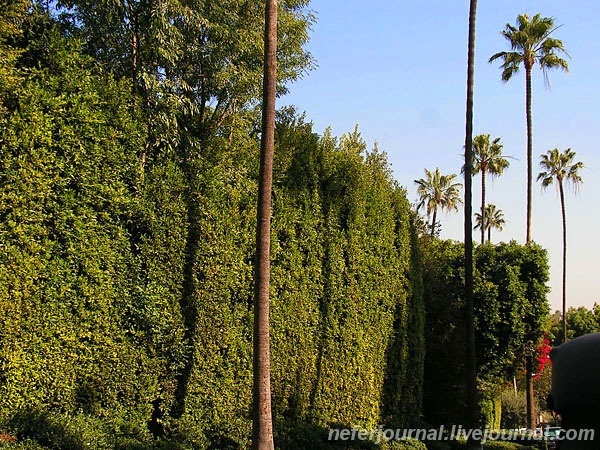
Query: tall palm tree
x=561, y=167
x=494, y=218
x=530, y=43
x=488, y=159
x=471, y=361
x=262, y=425
x=438, y=192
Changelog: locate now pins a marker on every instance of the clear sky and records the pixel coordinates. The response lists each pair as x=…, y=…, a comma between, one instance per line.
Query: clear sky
x=398, y=70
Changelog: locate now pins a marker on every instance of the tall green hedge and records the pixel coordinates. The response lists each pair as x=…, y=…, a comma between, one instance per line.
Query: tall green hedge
x=126, y=272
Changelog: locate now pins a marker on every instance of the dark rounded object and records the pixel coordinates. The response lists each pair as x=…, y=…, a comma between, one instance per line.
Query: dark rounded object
x=576, y=390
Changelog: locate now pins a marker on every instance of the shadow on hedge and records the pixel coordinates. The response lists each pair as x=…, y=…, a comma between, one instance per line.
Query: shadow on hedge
x=41, y=429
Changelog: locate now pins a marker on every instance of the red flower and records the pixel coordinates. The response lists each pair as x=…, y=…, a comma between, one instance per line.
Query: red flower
x=543, y=356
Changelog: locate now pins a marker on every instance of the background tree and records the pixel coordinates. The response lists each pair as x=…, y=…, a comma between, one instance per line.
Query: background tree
x=580, y=321
x=494, y=218
x=530, y=43
x=514, y=409
x=194, y=64
x=511, y=311
x=488, y=159
x=560, y=167
x=438, y=192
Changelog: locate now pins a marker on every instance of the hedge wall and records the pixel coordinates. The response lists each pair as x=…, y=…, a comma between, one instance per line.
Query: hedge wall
x=126, y=273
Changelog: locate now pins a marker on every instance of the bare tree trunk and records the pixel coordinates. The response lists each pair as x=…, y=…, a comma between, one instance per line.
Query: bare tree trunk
x=262, y=426
x=471, y=363
x=564, y=274
x=483, y=218
x=529, y=371
x=433, y=222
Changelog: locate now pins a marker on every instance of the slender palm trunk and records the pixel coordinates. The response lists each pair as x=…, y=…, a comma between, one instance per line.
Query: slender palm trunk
x=490, y=234
x=262, y=426
x=471, y=363
x=483, y=218
x=529, y=147
x=564, y=274
x=529, y=359
x=433, y=222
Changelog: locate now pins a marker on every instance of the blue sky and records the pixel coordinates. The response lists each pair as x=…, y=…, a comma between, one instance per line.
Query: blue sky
x=398, y=70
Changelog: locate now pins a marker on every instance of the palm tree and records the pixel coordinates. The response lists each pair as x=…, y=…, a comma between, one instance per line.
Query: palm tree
x=560, y=167
x=488, y=159
x=262, y=424
x=437, y=192
x=530, y=43
x=494, y=218
x=471, y=361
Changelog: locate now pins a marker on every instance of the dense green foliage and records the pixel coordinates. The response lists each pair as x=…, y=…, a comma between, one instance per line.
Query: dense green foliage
x=580, y=321
x=510, y=315
x=403, y=445
x=514, y=409
x=497, y=445
x=126, y=268
x=128, y=185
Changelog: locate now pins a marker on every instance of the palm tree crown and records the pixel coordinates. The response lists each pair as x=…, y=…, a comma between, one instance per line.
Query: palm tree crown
x=438, y=192
x=560, y=167
x=494, y=218
x=530, y=42
x=488, y=156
